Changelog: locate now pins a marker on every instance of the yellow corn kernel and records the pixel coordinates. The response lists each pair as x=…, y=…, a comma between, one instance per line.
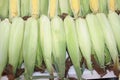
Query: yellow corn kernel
x=13, y=8
x=112, y=5
x=75, y=6
x=94, y=5
x=52, y=8
x=35, y=8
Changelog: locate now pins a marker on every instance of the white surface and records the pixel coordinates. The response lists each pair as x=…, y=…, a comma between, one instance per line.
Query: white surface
x=86, y=74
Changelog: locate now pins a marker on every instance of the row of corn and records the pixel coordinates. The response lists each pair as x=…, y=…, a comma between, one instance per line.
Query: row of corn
x=51, y=8
x=33, y=41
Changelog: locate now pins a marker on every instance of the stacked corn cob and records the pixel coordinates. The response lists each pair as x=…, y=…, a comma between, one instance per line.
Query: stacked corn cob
x=55, y=7
x=45, y=36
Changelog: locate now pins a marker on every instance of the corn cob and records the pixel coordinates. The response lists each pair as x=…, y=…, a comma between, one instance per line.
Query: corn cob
x=14, y=8
x=52, y=8
x=59, y=45
x=96, y=37
x=4, y=8
x=84, y=40
x=4, y=42
x=75, y=6
x=115, y=24
x=15, y=41
x=44, y=7
x=109, y=37
x=34, y=8
x=30, y=46
x=25, y=8
x=65, y=6
x=46, y=42
x=103, y=6
x=72, y=44
x=84, y=7
x=94, y=6
x=39, y=57
x=112, y=5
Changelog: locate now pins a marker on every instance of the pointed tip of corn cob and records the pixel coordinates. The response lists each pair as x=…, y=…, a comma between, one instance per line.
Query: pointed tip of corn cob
x=46, y=42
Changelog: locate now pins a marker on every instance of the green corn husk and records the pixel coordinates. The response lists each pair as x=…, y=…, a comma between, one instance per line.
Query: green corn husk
x=103, y=6
x=44, y=7
x=108, y=36
x=25, y=8
x=65, y=7
x=84, y=7
x=34, y=8
x=118, y=4
x=46, y=42
x=72, y=44
x=4, y=8
x=15, y=41
x=4, y=42
x=14, y=8
x=30, y=46
x=59, y=45
x=53, y=8
x=115, y=24
x=84, y=40
x=97, y=38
